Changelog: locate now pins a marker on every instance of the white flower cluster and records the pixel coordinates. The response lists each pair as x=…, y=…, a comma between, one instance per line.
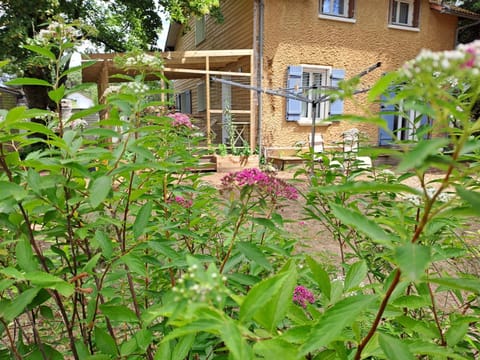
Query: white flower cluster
x=142, y=60
x=430, y=191
x=79, y=124
x=200, y=285
x=464, y=57
x=55, y=31
x=387, y=176
x=136, y=87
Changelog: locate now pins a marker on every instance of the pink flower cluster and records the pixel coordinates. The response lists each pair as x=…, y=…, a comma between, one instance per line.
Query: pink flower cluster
x=301, y=295
x=470, y=63
x=265, y=183
x=180, y=200
x=180, y=119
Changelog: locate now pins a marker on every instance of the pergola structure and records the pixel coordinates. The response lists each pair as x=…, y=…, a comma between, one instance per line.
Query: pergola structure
x=183, y=65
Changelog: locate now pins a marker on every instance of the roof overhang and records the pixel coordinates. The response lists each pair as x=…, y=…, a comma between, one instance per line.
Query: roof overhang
x=448, y=9
x=172, y=35
x=9, y=90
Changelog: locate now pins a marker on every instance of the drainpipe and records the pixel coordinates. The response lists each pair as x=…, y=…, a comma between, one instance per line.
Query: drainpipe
x=457, y=32
x=259, y=4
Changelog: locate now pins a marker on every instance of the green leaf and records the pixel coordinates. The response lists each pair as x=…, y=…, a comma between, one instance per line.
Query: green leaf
x=18, y=304
x=144, y=338
x=57, y=94
x=334, y=320
x=471, y=197
x=164, y=351
x=105, y=343
x=209, y=325
x=128, y=347
x=365, y=186
x=46, y=280
x=87, y=112
x=105, y=243
x=267, y=223
x=40, y=50
x=119, y=313
x=231, y=335
x=141, y=220
x=90, y=265
x=413, y=260
x=381, y=86
x=456, y=332
x=355, y=275
x=416, y=157
x=24, y=254
x=276, y=349
x=99, y=190
x=364, y=225
x=253, y=253
x=472, y=285
x=274, y=310
x=412, y=301
x=435, y=351
x=28, y=81
x=13, y=190
x=394, y=349
x=320, y=276
x=100, y=132
x=263, y=292
x=181, y=349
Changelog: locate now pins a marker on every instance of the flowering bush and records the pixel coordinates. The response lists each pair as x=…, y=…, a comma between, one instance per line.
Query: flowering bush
x=180, y=119
x=139, y=258
x=265, y=185
x=302, y=296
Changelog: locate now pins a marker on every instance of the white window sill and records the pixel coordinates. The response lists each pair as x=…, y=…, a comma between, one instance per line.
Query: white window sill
x=337, y=18
x=317, y=123
x=404, y=27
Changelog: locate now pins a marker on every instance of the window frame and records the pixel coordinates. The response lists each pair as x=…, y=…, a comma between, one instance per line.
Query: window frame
x=348, y=11
x=200, y=29
x=295, y=106
x=183, y=102
x=323, y=108
x=201, y=96
x=402, y=124
x=413, y=13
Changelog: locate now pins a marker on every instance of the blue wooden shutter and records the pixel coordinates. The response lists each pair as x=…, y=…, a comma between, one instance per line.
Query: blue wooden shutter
x=384, y=136
x=336, y=107
x=294, y=82
x=424, y=122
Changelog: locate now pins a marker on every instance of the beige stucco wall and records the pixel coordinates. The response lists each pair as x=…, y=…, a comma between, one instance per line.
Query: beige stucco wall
x=294, y=34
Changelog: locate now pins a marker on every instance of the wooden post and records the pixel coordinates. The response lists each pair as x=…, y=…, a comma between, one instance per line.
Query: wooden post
x=207, y=91
x=253, y=127
x=102, y=86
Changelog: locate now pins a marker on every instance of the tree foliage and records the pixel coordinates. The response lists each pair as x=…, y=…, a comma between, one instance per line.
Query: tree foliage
x=114, y=25
x=469, y=33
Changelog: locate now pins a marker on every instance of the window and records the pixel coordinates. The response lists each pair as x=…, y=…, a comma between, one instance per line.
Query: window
x=404, y=12
x=183, y=102
x=309, y=82
x=343, y=8
x=402, y=124
x=201, y=97
x=199, y=30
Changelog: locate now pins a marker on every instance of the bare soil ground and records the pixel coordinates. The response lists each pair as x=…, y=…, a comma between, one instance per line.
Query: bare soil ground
x=313, y=237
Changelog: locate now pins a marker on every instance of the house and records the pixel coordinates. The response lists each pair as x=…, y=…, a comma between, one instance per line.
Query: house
x=310, y=45
x=9, y=97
